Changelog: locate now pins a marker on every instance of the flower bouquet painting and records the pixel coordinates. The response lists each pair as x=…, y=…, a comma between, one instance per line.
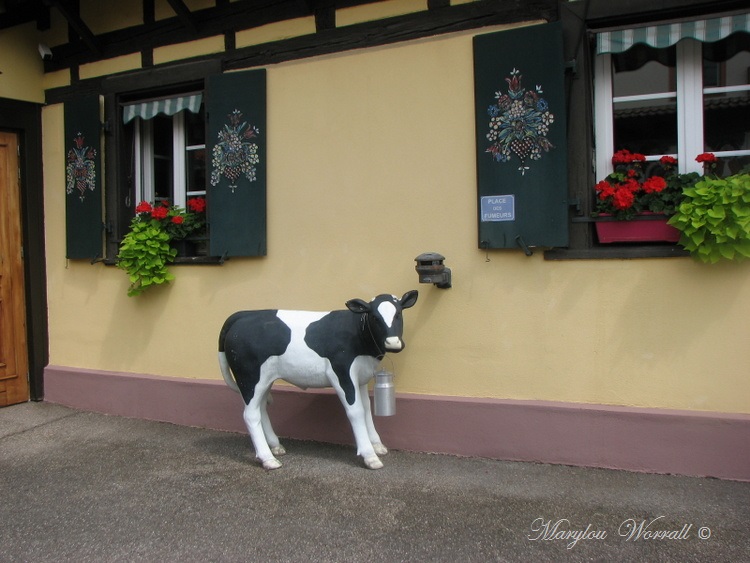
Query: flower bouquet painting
x=519, y=124
x=235, y=154
x=80, y=172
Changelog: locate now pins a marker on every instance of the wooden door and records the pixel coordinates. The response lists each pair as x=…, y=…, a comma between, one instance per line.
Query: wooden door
x=14, y=372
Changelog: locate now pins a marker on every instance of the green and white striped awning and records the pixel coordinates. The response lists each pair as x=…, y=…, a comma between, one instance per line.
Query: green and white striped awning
x=168, y=106
x=666, y=35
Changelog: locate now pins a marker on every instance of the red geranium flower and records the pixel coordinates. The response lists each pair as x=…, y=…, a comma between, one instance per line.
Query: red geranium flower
x=631, y=185
x=624, y=156
x=623, y=199
x=178, y=219
x=159, y=212
x=143, y=207
x=706, y=157
x=197, y=204
x=668, y=161
x=654, y=184
x=604, y=189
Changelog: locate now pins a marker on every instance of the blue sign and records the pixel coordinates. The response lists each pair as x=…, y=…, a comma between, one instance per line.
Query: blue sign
x=498, y=208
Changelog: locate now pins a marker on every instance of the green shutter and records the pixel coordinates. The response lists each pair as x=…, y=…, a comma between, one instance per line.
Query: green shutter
x=521, y=138
x=83, y=177
x=236, y=149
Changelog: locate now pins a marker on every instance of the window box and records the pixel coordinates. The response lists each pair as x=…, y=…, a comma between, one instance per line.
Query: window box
x=646, y=227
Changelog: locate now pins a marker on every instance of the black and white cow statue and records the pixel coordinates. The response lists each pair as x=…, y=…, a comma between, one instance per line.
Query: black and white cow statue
x=338, y=349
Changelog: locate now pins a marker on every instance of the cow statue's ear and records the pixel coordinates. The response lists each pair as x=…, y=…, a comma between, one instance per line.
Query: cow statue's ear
x=358, y=306
x=409, y=299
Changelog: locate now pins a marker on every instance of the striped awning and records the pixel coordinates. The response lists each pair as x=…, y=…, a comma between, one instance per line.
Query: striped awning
x=168, y=106
x=666, y=35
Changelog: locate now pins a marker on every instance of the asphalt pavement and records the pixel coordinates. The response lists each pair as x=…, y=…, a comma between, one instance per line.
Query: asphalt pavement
x=80, y=486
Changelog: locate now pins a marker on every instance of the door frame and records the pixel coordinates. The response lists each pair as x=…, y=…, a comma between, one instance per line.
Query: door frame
x=25, y=119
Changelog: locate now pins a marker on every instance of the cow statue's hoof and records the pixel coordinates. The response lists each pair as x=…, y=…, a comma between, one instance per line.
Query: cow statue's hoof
x=373, y=462
x=278, y=450
x=380, y=449
x=272, y=463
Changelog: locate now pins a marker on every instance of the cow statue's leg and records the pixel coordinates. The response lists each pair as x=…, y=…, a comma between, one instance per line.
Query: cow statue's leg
x=377, y=444
x=356, y=415
x=253, y=416
x=271, y=437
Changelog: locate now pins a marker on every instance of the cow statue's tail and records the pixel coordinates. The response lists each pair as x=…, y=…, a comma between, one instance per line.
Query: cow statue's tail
x=226, y=371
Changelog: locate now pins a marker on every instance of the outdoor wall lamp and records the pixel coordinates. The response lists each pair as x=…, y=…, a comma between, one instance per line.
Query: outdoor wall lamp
x=431, y=269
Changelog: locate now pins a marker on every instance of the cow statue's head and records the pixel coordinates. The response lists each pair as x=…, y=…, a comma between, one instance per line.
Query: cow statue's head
x=381, y=317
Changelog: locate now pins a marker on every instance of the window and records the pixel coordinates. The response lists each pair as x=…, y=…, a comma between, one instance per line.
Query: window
x=165, y=154
x=169, y=157
x=678, y=90
x=168, y=148
x=173, y=142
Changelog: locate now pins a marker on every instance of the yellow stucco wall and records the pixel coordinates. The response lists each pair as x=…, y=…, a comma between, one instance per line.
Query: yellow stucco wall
x=102, y=17
x=21, y=66
x=275, y=32
x=179, y=51
x=378, y=10
x=111, y=66
x=371, y=162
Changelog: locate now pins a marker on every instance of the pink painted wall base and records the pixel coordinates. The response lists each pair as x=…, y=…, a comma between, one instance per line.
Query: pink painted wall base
x=634, y=439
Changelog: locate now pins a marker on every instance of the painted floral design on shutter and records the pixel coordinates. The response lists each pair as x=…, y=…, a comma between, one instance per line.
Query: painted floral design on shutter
x=80, y=172
x=519, y=123
x=234, y=154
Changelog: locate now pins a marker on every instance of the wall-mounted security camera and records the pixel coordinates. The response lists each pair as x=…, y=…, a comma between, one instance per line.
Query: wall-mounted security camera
x=45, y=52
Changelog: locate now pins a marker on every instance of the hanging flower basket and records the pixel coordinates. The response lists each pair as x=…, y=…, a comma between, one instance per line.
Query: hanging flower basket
x=158, y=233
x=644, y=227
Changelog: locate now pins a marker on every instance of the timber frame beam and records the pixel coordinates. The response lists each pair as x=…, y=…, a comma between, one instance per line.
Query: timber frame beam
x=76, y=23
x=437, y=20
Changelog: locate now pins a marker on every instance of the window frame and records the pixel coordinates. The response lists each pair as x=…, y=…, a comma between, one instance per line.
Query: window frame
x=239, y=225
x=143, y=159
x=120, y=197
x=688, y=96
x=583, y=169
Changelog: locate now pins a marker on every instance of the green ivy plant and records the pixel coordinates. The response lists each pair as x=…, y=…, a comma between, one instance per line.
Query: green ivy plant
x=144, y=254
x=714, y=218
x=146, y=249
